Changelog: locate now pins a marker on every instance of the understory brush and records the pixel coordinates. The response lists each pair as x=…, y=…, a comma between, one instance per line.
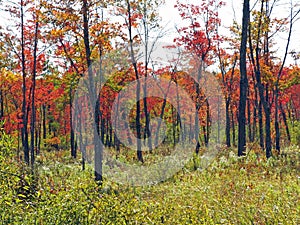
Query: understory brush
x=231, y=190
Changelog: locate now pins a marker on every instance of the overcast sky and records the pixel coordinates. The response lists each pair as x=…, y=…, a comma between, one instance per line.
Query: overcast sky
x=233, y=10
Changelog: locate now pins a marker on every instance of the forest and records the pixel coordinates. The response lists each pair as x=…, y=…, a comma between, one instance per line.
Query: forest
x=111, y=115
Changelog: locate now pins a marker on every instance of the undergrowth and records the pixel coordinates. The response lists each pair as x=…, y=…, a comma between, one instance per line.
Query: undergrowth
x=231, y=190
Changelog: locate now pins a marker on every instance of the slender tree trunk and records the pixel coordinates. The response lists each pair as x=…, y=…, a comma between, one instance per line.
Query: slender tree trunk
x=1, y=105
x=162, y=113
x=33, y=111
x=39, y=138
x=147, y=128
x=264, y=98
x=197, y=127
x=243, y=81
x=107, y=133
x=50, y=122
x=285, y=122
x=233, y=128
x=227, y=104
x=72, y=137
x=173, y=125
x=116, y=140
x=261, y=126
x=191, y=132
x=178, y=122
x=102, y=127
x=268, y=124
x=254, y=128
x=208, y=122
x=44, y=121
x=277, y=130
x=249, y=118
x=24, y=102
x=138, y=87
x=81, y=145
x=292, y=17
x=110, y=136
x=93, y=95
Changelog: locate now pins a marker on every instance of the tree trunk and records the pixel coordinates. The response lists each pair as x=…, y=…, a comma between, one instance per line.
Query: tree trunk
x=162, y=113
x=277, y=130
x=268, y=124
x=285, y=122
x=254, y=125
x=227, y=102
x=97, y=146
x=72, y=137
x=260, y=124
x=44, y=121
x=264, y=98
x=147, y=126
x=1, y=105
x=243, y=81
x=178, y=115
x=233, y=128
x=33, y=116
x=197, y=127
x=138, y=87
x=24, y=102
x=249, y=118
x=292, y=17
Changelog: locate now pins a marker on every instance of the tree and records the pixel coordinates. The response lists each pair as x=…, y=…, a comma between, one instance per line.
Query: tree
x=293, y=16
x=199, y=39
x=24, y=103
x=243, y=80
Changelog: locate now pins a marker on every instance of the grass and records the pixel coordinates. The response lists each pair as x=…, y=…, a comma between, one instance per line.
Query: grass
x=249, y=190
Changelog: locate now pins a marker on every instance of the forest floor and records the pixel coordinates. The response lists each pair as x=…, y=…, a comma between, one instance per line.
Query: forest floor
x=231, y=190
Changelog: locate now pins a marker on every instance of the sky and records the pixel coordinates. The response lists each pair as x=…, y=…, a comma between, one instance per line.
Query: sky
x=233, y=11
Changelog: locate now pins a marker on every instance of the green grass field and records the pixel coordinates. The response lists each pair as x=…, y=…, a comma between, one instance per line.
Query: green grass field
x=231, y=190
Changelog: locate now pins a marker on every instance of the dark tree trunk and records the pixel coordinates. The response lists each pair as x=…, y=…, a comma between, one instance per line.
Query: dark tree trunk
x=37, y=138
x=243, y=81
x=107, y=133
x=102, y=127
x=178, y=115
x=233, y=128
x=268, y=124
x=261, y=127
x=147, y=126
x=228, y=143
x=277, y=130
x=285, y=123
x=24, y=102
x=249, y=118
x=81, y=145
x=110, y=143
x=162, y=114
x=93, y=95
x=191, y=132
x=254, y=127
x=72, y=136
x=1, y=105
x=44, y=121
x=208, y=122
x=264, y=99
x=292, y=17
x=173, y=125
x=197, y=127
x=33, y=111
x=138, y=87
